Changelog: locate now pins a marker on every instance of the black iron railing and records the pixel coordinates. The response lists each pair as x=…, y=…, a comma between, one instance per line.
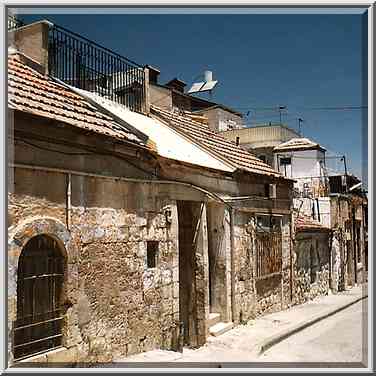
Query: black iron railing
x=84, y=64
x=14, y=23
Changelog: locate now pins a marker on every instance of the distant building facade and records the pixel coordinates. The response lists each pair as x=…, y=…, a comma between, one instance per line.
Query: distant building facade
x=261, y=140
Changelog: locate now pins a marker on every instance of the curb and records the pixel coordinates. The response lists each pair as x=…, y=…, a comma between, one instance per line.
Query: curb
x=276, y=338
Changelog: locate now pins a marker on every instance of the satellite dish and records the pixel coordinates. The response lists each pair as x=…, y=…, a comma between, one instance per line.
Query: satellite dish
x=207, y=85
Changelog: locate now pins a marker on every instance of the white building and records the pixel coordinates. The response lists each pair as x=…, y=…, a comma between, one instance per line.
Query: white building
x=304, y=161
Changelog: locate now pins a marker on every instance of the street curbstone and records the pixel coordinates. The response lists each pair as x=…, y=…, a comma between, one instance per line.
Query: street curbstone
x=279, y=337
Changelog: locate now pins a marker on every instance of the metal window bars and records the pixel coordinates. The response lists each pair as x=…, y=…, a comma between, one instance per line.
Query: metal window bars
x=86, y=65
x=40, y=278
x=268, y=254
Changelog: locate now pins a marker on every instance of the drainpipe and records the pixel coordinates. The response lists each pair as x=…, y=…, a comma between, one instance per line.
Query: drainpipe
x=232, y=243
x=318, y=209
x=69, y=200
x=146, y=91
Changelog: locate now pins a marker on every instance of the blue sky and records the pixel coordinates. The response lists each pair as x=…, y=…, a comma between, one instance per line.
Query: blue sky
x=307, y=62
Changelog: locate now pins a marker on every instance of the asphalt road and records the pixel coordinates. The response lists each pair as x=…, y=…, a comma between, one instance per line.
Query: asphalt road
x=339, y=338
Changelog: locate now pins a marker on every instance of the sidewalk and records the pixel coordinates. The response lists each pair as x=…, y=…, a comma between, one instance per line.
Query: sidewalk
x=245, y=343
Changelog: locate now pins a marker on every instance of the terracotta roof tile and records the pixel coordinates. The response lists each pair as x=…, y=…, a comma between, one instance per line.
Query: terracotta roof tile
x=214, y=142
x=29, y=91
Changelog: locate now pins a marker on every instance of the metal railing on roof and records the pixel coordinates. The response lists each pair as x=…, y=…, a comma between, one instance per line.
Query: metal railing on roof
x=14, y=23
x=86, y=65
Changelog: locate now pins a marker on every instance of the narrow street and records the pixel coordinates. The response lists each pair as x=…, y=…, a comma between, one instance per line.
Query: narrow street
x=339, y=338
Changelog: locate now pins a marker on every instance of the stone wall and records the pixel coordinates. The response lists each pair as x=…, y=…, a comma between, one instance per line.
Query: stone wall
x=244, y=299
x=312, y=265
x=116, y=305
x=255, y=297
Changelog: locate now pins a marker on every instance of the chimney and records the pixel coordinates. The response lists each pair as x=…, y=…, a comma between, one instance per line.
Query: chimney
x=153, y=74
x=32, y=41
x=177, y=85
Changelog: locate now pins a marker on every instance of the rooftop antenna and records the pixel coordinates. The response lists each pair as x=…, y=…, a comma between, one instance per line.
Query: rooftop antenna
x=204, y=86
x=280, y=113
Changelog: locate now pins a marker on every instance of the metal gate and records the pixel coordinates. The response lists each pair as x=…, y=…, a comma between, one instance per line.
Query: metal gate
x=268, y=253
x=39, y=289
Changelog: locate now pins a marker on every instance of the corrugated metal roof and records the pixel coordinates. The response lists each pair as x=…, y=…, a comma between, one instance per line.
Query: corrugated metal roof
x=214, y=142
x=168, y=142
x=31, y=92
x=298, y=143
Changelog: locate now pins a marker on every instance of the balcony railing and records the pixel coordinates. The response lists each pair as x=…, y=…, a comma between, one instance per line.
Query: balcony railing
x=311, y=187
x=86, y=65
x=14, y=23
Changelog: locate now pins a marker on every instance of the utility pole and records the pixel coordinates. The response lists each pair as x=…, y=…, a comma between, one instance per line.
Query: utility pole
x=300, y=126
x=344, y=163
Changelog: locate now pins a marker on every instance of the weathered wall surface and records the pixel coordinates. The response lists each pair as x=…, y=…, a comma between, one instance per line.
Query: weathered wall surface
x=339, y=209
x=244, y=283
x=219, y=252
x=161, y=97
x=117, y=306
x=221, y=120
x=312, y=265
x=258, y=296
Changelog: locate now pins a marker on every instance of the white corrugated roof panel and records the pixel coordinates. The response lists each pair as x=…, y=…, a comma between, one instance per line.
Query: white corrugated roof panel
x=169, y=143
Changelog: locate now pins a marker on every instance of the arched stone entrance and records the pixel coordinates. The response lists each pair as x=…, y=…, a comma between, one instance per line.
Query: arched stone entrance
x=46, y=240
x=40, y=281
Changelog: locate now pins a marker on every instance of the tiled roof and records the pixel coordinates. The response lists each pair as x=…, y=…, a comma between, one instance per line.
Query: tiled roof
x=213, y=142
x=306, y=223
x=29, y=91
x=298, y=143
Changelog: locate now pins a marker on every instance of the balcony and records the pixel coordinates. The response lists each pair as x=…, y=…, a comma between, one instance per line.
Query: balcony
x=84, y=64
x=14, y=23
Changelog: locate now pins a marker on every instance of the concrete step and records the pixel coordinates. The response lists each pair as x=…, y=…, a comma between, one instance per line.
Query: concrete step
x=214, y=318
x=220, y=328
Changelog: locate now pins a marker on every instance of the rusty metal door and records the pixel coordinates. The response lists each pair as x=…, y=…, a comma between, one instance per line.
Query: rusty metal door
x=268, y=253
x=39, y=289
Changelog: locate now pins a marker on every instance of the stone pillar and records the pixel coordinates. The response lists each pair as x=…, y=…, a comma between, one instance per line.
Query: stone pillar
x=335, y=263
x=146, y=91
x=201, y=281
x=286, y=280
x=219, y=260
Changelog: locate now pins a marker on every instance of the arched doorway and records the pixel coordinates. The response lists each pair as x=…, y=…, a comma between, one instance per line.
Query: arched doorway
x=40, y=280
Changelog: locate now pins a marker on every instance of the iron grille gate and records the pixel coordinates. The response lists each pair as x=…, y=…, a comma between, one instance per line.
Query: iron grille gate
x=268, y=253
x=39, y=288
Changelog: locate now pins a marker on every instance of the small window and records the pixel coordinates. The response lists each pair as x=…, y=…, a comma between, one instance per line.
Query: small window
x=285, y=161
x=262, y=157
x=151, y=254
x=268, y=223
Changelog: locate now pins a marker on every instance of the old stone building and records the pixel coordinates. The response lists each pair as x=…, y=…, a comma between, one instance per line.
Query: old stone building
x=130, y=227
x=313, y=259
x=349, y=223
